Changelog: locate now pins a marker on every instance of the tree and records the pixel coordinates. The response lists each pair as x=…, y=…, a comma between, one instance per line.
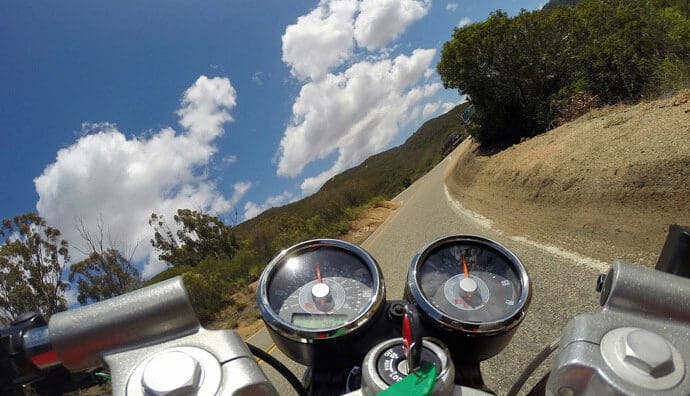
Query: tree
x=510, y=67
x=105, y=272
x=198, y=237
x=32, y=259
x=516, y=69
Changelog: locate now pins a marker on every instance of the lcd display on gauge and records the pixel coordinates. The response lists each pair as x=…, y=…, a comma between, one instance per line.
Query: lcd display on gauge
x=320, y=289
x=469, y=283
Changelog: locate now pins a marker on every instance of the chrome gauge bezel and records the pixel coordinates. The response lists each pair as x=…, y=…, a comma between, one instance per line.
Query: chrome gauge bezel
x=502, y=324
x=306, y=335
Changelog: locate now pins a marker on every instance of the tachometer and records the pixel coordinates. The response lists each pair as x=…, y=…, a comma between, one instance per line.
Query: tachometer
x=469, y=283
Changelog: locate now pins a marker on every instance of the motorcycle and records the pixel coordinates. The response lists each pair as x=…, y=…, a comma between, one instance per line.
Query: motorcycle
x=324, y=305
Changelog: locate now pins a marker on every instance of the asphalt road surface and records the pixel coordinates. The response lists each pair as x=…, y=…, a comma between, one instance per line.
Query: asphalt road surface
x=562, y=282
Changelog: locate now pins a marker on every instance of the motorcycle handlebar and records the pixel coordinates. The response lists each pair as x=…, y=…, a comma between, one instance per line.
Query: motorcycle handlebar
x=128, y=332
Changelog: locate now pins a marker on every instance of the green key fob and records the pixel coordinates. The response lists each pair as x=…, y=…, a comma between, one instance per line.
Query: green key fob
x=421, y=382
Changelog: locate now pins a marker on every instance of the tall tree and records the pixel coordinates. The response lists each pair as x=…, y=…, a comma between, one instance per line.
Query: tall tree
x=198, y=236
x=105, y=272
x=32, y=259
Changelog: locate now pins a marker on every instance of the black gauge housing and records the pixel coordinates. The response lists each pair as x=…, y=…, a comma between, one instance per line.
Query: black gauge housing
x=471, y=292
x=317, y=296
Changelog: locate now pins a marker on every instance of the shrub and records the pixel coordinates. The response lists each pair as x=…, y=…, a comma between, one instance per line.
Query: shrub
x=207, y=292
x=516, y=69
x=670, y=75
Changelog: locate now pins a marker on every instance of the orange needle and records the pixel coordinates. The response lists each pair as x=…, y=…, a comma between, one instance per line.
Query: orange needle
x=464, y=266
x=318, y=272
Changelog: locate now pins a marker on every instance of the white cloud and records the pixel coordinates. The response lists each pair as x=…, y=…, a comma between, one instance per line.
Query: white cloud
x=239, y=190
x=91, y=127
x=354, y=114
x=447, y=106
x=464, y=22
x=205, y=107
x=125, y=180
x=381, y=21
x=252, y=209
x=230, y=159
x=321, y=39
x=430, y=108
x=258, y=79
x=153, y=266
x=72, y=297
x=452, y=6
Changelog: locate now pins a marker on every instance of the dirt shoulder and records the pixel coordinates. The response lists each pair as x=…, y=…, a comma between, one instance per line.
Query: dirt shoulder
x=368, y=221
x=606, y=185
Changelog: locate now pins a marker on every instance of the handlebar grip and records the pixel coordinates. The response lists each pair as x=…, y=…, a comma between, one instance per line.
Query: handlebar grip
x=155, y=313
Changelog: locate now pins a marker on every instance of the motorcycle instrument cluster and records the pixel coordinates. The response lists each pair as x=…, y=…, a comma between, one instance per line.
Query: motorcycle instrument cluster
x=324, y=292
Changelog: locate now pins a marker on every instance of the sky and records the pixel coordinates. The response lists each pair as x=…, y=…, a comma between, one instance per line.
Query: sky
x=116, y=110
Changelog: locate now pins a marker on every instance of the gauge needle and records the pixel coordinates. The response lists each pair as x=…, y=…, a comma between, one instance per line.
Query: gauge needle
x=464, y=266
x=467, y=275
x=318, y=272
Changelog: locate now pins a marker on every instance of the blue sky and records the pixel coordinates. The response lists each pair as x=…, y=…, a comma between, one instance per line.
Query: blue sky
x=120, y=109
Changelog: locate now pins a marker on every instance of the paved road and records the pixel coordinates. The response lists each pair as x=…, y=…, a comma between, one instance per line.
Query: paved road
x=563, y=282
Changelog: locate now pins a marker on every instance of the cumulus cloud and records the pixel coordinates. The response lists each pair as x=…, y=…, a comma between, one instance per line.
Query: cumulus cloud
x=430, y=108
x=321, y=39
x=355, y=111
x=205, y=107
x=124, y=180
x=452, y=6
x=325, y=38
x=252, y=209
x=239, y=190
x=381, y=21
x=355, y=114
x=447, y=106
x=464, y=22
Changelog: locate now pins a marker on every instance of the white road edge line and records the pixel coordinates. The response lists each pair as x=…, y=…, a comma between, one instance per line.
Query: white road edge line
x=474, y=216
x=488, y=224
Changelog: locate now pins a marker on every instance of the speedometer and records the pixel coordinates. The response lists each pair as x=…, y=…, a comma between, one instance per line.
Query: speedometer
x=320, y=289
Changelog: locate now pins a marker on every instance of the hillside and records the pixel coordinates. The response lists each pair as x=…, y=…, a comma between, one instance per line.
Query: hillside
x=553, y=4
x=327, y=212
x=606, y=185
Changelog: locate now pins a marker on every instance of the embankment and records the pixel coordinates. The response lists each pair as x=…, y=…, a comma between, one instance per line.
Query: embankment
x=606, y=185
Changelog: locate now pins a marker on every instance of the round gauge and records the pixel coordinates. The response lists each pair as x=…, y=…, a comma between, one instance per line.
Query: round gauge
x=469, y=283
x=320, y=289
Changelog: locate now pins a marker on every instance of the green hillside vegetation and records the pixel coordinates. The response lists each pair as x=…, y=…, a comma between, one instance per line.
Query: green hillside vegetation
x=213, y=275
x=534, y=71
x=553, y=4
x=680, y=5
x=326, y=213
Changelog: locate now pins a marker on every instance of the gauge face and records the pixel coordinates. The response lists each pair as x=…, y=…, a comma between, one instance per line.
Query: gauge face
x=322, y=288
x=319, y=286
x=469, y=281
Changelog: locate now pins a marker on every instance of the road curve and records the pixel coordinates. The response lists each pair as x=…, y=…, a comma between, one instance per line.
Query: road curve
x=563, y=282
